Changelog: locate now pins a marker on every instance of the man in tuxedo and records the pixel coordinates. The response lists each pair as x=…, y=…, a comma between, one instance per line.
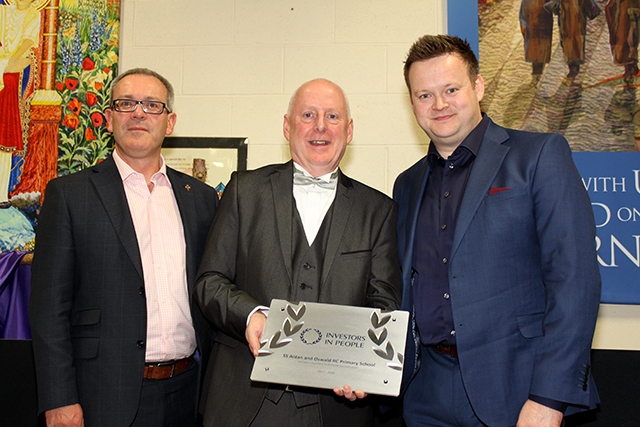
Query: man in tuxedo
x=117, y=336
x=497, y=245
x=300, y=231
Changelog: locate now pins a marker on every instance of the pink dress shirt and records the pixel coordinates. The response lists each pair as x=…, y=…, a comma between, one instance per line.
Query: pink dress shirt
x=160, y=235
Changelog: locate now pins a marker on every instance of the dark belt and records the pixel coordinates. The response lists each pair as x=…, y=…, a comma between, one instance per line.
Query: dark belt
x=449, y=350
x=164, y=370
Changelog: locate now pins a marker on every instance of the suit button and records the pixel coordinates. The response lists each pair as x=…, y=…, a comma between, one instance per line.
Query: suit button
x=141, y=290
x=446, y=295
x=305, y=286
x=445, y=260
x=140, y=343
x=307, y=266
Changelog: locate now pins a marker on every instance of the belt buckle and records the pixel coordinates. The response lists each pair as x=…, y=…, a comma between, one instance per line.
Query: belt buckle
x=288, y=388
x=173, y=368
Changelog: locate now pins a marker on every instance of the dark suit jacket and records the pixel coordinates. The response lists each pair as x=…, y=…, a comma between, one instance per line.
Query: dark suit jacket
x=525, y=284
x=248, y=262
x=88, y=306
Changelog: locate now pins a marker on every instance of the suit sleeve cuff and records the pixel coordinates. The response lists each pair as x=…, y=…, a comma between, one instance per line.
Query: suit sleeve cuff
x=549, y=403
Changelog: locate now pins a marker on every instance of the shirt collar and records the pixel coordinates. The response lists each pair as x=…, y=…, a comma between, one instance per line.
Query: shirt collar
x=126, y=171
x=326, y=177
x=471, y=142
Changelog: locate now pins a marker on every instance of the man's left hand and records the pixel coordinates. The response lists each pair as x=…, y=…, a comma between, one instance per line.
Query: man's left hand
x=349, y=393
x=534, y=414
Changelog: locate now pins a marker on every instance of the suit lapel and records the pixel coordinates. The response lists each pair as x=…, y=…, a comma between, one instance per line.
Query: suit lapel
x=283, y=205
x=485, y=168
x=108, y=185
x=416, y=191
x=415, y=199
x=340, y=214
x=186, y=206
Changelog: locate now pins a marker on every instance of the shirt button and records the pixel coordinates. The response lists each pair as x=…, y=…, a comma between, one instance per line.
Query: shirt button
x=446, y=194
x=453, y=333
x=445, y=260
x=451, y=166
x=446, y=295
x=443, y=226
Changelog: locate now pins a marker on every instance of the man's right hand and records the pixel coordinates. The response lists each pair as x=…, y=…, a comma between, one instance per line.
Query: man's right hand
x=254, y=330
x=65, y=416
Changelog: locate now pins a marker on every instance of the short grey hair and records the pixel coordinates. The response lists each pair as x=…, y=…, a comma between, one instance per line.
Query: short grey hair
x=145, y=72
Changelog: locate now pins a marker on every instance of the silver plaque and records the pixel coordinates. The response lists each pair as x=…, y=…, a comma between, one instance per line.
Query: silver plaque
x=327, y=346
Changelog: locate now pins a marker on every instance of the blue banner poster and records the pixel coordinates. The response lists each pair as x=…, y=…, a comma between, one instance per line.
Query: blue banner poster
x=613, y=183
x=544, y=74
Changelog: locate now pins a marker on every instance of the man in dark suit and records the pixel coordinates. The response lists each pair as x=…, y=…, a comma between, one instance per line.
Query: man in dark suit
x=301, y=231
x=497, y=244
x=114, y=324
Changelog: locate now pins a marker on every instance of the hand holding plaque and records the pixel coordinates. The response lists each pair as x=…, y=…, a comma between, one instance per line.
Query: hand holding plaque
x=324, y=345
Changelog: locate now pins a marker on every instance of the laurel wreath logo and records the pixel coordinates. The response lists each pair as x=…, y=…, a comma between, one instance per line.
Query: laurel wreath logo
x=304, y=333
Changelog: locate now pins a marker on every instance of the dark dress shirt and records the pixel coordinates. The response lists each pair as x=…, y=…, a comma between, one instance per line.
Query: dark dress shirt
x=436, y=227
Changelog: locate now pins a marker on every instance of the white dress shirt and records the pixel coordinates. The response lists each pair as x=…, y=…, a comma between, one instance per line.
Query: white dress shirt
x=313, y=203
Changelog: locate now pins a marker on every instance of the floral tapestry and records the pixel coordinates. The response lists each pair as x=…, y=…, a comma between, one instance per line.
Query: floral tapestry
x=58, y=58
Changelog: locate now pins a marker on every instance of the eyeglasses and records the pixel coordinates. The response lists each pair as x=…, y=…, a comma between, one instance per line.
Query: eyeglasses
x=129, y=105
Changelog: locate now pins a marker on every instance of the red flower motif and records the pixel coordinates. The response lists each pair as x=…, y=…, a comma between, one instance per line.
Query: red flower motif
x=71, y=121
x=89, y=135
x=88, y=64
x=98, y=85
x=59, y=86
x=71, y=84
x=92, y=99
x=75, y=106
x=106, y=70
x=97, y=119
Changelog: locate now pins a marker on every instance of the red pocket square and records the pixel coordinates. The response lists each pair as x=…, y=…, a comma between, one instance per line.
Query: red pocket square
x=494, y=190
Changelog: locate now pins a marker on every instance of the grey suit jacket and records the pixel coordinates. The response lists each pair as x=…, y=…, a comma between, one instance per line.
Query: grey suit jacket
x=248, y=262
x=88, y=306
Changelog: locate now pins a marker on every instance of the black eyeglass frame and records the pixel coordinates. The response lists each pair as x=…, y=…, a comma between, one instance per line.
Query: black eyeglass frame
x=117, y=108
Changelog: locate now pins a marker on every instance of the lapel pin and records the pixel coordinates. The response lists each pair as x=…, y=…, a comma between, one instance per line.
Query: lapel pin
x=188, y=187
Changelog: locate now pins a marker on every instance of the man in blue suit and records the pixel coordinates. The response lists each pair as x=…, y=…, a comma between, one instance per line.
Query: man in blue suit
x=497, y=242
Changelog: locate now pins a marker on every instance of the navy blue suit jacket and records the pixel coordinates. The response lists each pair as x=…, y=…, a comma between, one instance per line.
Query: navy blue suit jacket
x=525, y=284
x=88, y=306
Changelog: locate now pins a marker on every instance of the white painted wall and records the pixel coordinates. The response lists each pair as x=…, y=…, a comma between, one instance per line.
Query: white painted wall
x=235, y=63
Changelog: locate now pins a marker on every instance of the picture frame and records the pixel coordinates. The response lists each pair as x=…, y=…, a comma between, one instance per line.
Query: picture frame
x=209, y=159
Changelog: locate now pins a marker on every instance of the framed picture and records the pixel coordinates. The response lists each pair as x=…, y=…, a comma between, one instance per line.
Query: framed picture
x=211, y=160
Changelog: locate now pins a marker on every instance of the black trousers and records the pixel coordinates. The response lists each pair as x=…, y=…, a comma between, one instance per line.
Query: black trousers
x=284, y=412
x=170, y=402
